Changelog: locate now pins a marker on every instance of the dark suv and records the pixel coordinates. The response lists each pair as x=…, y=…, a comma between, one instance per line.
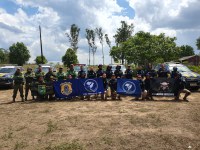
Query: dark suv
x=6, y=75
x=191, y=79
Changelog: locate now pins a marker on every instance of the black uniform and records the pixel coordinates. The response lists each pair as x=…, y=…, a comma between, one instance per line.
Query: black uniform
x=81, y=74
x=99, y=73
x=152, y=73
x=142, y=85
x=178, y=85
x=109, y=73
x=113, y=85
x=128, y=74
x=163, y=73
x=91, y=74
x=141, y=73
x=175, y=73
x=118, y=73
x=105, y=84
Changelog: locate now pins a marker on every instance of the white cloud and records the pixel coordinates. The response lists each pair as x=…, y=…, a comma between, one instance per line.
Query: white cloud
x=171, y=17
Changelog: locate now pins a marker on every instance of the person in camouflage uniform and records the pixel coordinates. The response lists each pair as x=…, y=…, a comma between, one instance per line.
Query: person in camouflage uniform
x=39, y=72
x=71, y=72
x=18, y=84
x=60, y=75
x=49, y=74
x=29, y=76
x=40, y=81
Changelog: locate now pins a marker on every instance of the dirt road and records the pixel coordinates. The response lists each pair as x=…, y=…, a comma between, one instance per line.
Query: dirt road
x=126, y=124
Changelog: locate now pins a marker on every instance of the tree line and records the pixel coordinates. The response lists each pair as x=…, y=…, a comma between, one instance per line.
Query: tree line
x=141, y=48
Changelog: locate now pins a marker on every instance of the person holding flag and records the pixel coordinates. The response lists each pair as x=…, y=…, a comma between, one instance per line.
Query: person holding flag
x=60, y=74
x=113, y=87
x=91, y=73
x=71, y=72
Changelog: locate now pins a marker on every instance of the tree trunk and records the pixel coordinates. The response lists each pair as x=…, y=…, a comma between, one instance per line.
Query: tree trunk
x=93, y=59
x=89, y=55
x=102, y=53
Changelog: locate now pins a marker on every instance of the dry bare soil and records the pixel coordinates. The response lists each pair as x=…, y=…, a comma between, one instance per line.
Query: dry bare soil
x=118, y=125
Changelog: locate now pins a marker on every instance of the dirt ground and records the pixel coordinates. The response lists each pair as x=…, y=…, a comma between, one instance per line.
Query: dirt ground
x=97, y=125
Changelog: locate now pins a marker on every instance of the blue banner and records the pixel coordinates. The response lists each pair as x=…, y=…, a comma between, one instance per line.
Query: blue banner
x=90, y=86
x=78, y=87
x=66, y=88
x=128, y=87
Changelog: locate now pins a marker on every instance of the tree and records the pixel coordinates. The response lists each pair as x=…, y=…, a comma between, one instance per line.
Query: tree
x=4, y=56
x=186, y=50
x=19, y=54
x=144, y=48
x=38, y=60
x=123, y=34
x=73, y=36
x=108, y=43
x=70, y=57
x=198, y=43
x=88, y=36
x=93, y=45
x=100, y=36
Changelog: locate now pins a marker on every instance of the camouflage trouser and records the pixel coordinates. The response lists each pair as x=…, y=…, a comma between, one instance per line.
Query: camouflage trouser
x=16, y=88
x=27, y=88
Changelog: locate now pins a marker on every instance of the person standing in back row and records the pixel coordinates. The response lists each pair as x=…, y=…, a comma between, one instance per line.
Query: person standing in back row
x=162, y=72
x=71, y=72
x=81, y=73
x=91, y=73
x=118, y=73
x=29, y=76
x=60, y=74
x=128, y=73
x=100, y=71
x=18, y=84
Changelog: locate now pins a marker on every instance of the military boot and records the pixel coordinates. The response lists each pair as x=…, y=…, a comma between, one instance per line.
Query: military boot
x=22, y=99
x=13, y=99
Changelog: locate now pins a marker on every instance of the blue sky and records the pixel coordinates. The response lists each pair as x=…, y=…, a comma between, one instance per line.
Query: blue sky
x=19, y=21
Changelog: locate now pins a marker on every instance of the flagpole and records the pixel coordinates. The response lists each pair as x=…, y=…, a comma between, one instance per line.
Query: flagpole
x=41, y=45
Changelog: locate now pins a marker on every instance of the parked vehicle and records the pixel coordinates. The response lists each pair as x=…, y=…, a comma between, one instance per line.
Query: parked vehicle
x=6, y=75
x=77, y=68
x=45, y=68
x=123, y=68
x=191, y=78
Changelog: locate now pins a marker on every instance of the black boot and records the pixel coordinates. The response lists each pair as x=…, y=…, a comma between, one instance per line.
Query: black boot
x=13, y=99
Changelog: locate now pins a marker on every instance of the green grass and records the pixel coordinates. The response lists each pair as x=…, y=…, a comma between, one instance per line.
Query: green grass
x=51, y=127
x=20, y=145
x=74, y=145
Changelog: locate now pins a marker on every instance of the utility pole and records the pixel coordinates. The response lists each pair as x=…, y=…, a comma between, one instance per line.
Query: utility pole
x=41, y=45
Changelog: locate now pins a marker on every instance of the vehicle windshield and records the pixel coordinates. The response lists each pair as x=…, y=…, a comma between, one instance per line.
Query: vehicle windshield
x=77, y=68
x=7, y=70
x=114, y=67
x=45, y=69
x=180, y=68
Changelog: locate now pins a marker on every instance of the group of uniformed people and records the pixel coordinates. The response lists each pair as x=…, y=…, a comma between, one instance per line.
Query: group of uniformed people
x=109, y=78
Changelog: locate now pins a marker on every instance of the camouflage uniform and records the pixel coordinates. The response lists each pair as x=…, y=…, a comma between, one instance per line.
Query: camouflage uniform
x=72, y=73
x=60, y=76
x=29, y=76
x=39, y=73
x=18, y=85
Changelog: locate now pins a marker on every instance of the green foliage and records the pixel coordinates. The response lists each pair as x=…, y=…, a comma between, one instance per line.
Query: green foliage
x=4, y=56
x=144, y=48
x=70, y=57
x=198, y=43
x=19, y=54
x=74, y=145
x=73, y=36
x=122, y=35
x=195, y=68
x=38, y=60
x=186, y=50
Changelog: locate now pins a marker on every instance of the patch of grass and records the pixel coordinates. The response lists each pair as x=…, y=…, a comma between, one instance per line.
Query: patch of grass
x=51, y=127
x=8, y=135
x=143, y=110
x=147, y=121
x=74, y=145
x=20, y=145
x=107, y=140
x=122, y=111
x=45, y=111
